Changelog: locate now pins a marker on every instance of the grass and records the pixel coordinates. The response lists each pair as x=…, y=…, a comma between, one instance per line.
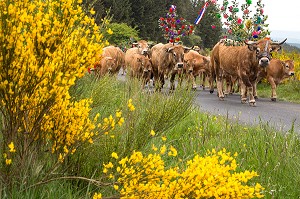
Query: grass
x=288, y=91
x=274, y=155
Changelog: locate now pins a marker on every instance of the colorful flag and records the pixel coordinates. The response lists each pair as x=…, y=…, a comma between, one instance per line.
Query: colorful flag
x=201, y=13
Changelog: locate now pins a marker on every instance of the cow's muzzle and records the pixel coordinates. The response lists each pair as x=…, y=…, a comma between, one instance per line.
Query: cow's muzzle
x=145, y=52
x=291, y=73
x=264, y=61
x=180, y=65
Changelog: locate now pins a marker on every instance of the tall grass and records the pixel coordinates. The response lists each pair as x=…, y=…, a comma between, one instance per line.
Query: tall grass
x=175, y=121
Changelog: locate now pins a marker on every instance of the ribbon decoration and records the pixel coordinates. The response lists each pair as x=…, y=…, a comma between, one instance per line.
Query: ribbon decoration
x=201, y=13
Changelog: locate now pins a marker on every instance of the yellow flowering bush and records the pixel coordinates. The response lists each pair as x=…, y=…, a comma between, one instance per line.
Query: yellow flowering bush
x=45, y=47
x=211, y=176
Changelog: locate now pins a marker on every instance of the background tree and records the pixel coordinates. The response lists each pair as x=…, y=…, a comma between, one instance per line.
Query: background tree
x=210, y=27
x=143, y=16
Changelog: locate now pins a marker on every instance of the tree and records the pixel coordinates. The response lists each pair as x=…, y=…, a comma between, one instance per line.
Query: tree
x=210, y=27
x=122, y=33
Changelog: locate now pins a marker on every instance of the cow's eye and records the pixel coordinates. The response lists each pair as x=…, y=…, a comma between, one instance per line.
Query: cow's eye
x=174, y=54
x=139, y=46
x=257, y=50
x=287, y=66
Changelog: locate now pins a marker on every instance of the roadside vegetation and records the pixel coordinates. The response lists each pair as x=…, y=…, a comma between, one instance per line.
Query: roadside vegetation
x=168, y=125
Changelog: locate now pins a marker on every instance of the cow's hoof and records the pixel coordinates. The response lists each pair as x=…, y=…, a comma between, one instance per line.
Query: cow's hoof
x=252, y=103
x=243, y=100
x=221, y=98
x=211, y=91
x=255, y=97
x=273, y=99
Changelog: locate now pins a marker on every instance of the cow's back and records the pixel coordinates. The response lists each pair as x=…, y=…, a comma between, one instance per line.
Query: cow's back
x=155, y=55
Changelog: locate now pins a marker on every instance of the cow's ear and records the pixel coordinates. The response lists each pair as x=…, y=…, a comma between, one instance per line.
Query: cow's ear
x=282, y=63
x=276, y=48
x=169, y=50
x=186, y=49
x=206, y=60
x=150, y=45
x=134, y=45
x=252, y=47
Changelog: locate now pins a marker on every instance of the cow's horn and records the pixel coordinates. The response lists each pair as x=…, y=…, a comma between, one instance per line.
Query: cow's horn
x=280, y=42
x=250, y=42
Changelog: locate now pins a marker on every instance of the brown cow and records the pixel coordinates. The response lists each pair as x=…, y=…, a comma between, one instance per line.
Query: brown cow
x=167, y=59
x=141, y=47
x=141, y=67
x=275, y=73
x=105, y=66
x=194, y=65
x=242, y=61
x=110, y=61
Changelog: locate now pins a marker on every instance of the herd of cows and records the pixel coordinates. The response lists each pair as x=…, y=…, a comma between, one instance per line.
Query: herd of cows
x=243, y=65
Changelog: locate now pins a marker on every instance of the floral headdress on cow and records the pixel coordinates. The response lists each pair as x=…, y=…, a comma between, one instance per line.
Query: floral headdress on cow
x=245, y=27
x=173, y=27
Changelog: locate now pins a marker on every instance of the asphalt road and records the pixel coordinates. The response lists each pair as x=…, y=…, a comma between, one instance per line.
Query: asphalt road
x=281, y=115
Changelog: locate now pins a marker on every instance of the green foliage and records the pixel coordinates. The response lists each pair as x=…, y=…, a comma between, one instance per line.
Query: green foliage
x=192, y=40
x=210, y=27
x=122, y=33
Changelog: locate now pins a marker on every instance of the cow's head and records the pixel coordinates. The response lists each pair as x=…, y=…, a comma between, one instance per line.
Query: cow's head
x=177, y=52
x=109, y=63
x=145, y=64
x=189, y=65
x=288, y=66
x=142, y=46
x=263, y=49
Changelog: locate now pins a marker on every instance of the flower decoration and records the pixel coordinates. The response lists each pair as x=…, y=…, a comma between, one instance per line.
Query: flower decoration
x=174, y=28
x=244, y=27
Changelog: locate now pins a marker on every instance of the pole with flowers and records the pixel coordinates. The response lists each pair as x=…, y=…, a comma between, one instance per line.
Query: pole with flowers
x=240, y=25
x=174, y=27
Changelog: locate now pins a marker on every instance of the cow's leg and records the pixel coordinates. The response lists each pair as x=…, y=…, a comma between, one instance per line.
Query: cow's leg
x=228, y=84
x=255, y=90
x=194, y=86
x=243, y=93
x=273, y=86
x=161, y=80
x=203, y=80
x=249, y=86
x=172, y=80
x=158, y=80
x=212, y=75
x=180, y=78
x=220, y=86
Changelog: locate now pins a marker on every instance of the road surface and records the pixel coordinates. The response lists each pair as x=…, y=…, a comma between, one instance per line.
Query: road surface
x=281, y=115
